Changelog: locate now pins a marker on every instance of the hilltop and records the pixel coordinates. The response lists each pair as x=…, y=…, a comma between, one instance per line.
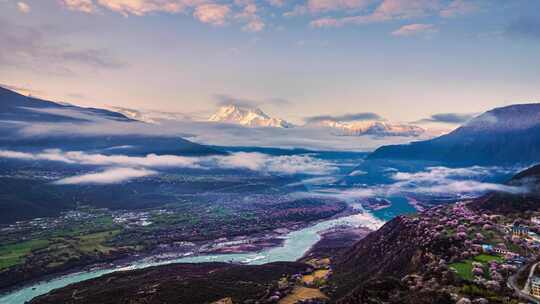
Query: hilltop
x=506, y=135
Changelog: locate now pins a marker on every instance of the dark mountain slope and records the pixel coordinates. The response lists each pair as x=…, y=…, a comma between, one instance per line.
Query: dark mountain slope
x=506, y=135
x=401, y=247
x=526, y=200
x=18, y=111
x=17, y=107
x=409, y=259
x=180, y=284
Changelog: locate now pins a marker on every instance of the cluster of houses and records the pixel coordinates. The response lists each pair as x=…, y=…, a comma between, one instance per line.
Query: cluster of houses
x=514, y=240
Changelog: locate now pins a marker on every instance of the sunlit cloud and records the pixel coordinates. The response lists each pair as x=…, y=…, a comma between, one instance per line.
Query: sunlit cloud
x=459, y=8
x=30, y=47
x=23, y=7
x=109, y=176
x=85, y=6
x=394, y=10
x=215, y=14
x=415, y=29
x=460, y=182
x=142, y=7
x=344, y=118
x=276, y=3
x=264, y=163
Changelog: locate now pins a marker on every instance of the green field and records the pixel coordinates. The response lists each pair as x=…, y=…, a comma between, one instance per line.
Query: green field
x=95, y=242
x=464, y=269
x=14, y=254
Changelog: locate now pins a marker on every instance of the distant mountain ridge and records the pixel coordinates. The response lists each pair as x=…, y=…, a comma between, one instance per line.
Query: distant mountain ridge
x=506, y=135
x=376, y=128
x=17, y=107
x=526, y=200
x=17, y=111
x=247, y=116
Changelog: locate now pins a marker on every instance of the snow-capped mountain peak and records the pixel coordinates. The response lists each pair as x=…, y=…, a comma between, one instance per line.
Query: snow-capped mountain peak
x=371, y=127
x=246, y=116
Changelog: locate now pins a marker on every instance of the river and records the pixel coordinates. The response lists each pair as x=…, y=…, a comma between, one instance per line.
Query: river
x=296, y=244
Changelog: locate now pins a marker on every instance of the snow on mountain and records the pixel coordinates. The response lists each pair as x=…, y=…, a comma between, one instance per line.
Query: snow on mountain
x=150, y=116
x=505, y=119
x=503, y=136
x=249, y=117
x=371, y=127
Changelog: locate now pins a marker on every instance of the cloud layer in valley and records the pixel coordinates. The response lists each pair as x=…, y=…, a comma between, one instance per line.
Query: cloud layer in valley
x=344, y=118
x=310, y=137
x=121, y=168
x=108, y=176
x=459, y=183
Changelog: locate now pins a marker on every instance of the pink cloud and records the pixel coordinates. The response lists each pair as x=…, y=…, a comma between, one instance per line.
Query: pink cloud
x=276, y=3
x=385, y=11
x=458, y=7
x=215, y=14
x=254, y=26
x=142, y=7
x=317, y=6
x=415, y=29
x=404, y=9
x=23, y=7
x=85, y=6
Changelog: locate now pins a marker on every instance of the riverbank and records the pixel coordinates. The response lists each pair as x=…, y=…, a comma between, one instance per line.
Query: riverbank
x=335, y=240
x=295, y=244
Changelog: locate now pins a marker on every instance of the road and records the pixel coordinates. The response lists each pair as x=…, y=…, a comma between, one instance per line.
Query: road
x=527, y=288
x=511, y=283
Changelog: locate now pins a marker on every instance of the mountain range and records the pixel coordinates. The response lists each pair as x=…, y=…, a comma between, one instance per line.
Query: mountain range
x=506, y=135
x=416, y=259
x=18, y=111
x=255, y=118
x=371, y=127
x=246, y=116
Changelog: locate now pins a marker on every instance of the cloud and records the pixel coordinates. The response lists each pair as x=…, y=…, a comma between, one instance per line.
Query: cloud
x=205, y=11
x=415, y=29
x=23, y=7
x=85, y=6
x=81, y=158
x=226, y=100
x=109, y=176
x=218, y=134
x=344, y=117
x=281, y=165
x=319, y=6
x=249, y=13
x=254, y=26
x=387, y=10
x=215, y=14
x=287, y=164
x=460, y=183
x=315, y=181
x=525, y=27
x=31, y=47
x=20, y=89
x=357, y=173
x=92, y=57
x=276, y=3
x=308, y=136
x=143, y=7
x=316, y=7
x=459, y=8
x=449, y=118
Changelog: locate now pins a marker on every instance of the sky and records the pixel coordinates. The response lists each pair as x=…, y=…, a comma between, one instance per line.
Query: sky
x=424, y=61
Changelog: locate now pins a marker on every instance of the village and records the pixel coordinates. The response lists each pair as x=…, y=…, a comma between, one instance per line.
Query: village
x=497, y=251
